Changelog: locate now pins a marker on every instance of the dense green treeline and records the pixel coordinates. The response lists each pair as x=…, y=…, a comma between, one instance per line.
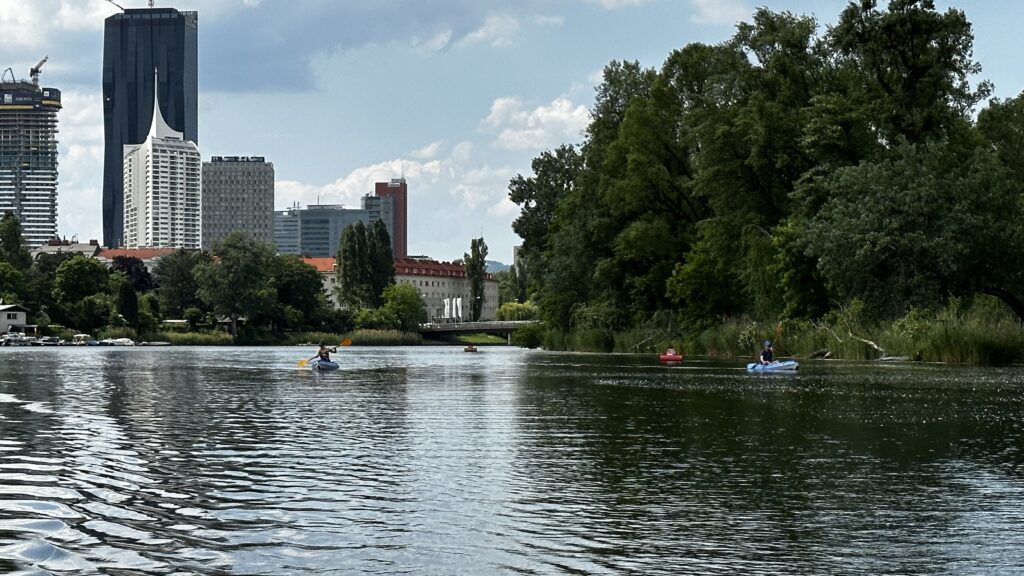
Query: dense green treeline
x=783, y=175
x=241, y=291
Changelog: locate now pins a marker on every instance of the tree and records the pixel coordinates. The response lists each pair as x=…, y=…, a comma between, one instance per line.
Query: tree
x=135, y=270
x=929, y=223
x=12, y=247
x=404, y=303
x=476, y=271
x=353, y=266
x=12, y=281
x=909, y=66
x=380, y=261
x=238, y=283
x=178, y=288
x=79, y=277
x=128, y=304
x=298, y=286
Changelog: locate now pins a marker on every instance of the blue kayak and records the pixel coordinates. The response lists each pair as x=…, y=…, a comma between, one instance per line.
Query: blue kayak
x=781, y=366
x=323, y=365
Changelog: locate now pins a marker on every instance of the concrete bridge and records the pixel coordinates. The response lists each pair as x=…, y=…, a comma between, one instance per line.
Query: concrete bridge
x=496, y=327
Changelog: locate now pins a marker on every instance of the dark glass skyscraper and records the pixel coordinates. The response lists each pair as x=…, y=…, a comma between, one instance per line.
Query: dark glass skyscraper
x=135, y=43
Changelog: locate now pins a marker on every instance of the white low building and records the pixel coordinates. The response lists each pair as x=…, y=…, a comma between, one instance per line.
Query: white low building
x=442, y=285
x=13, y=316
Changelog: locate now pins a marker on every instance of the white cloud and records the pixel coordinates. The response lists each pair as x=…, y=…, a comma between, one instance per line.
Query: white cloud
x=497, y=30
x=718, y=11
x=438, y=42
x=617, y=4
x=428, y=151
x=80, y=175
x=544, y=126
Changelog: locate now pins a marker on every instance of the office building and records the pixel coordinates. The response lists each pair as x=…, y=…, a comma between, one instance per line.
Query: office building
x=238, y=194
x=315, y=231
x=135, y=43
x=398, y=191
x=162, y=189
x=28, y=156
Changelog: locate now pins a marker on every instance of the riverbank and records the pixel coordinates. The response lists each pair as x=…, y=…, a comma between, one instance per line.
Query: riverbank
x=979, y=333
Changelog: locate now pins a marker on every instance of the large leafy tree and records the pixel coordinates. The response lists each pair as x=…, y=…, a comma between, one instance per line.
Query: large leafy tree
x=299, y=289
x=238, y=281
x=79, y=277
x=12, y=247
x=928, y=223
x=178, y=287
x=135, y=271
x=403, y=302
x=476, y=271
x=12, y=282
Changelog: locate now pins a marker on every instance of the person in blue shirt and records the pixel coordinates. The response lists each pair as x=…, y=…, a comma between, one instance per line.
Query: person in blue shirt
x=767, y=353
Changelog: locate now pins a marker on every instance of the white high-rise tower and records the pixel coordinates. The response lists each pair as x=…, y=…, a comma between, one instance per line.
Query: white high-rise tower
x=162, y=189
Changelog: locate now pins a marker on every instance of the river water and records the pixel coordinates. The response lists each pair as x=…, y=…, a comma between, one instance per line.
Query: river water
x=432, y=461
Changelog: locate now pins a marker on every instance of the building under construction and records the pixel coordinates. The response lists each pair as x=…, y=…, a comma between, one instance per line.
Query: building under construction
x=28, y=155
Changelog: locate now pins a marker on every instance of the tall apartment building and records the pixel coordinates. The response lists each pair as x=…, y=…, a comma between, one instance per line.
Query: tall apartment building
x=162, y=189
x=28, y=156
x=398, y=191
x=135, y=43
x=238, y=194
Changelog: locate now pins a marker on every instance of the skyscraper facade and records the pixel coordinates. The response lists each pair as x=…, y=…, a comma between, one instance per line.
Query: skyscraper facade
x=398, y=191
x=135, y=43
x=238, y=194
x=162, y=189
x=28, y=157
x=315, y=231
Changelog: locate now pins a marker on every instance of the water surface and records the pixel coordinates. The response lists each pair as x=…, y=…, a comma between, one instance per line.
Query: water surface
x=432, y=461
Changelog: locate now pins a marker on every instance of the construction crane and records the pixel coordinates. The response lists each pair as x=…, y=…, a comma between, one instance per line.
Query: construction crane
x=116, y=4
x=34, y=71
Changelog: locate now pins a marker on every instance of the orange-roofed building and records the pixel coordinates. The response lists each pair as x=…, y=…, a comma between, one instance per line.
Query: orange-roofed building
x=149, y=256
x=328, y=276
x=436, y=282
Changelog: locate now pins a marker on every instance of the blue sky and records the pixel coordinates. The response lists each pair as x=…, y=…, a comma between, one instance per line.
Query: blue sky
x=457, y=95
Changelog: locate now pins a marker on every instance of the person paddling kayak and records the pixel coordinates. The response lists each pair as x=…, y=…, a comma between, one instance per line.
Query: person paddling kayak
x=324, y=353
x=767, y=353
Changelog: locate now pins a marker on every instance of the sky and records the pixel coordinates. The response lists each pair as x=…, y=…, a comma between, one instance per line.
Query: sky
x=457, y=96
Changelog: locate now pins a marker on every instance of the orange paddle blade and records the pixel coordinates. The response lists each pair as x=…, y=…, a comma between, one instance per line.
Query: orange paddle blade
x=303, y=362
x=346, y=342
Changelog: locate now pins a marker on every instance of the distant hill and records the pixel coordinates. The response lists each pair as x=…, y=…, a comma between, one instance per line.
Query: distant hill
x=495, y=266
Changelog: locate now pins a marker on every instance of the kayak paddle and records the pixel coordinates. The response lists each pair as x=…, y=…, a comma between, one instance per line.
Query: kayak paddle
x=345, y=342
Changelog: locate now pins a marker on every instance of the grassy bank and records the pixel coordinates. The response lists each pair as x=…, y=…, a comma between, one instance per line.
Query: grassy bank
x=981, y=332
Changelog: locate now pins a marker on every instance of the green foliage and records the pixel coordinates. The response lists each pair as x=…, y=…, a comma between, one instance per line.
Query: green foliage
x=179, y=290
x=476, y=270
x=370, y=337
x=12, y=245
x=193, y=316
x=353, y=266
x=529, y=336
x=377, y=319
x=135, y=270
x=404, y=304
x=77, y=278
x=239, y=282
x=299, y=290
x=12, y=282
x=380, y=262
x=517, y=311
x=128, y=304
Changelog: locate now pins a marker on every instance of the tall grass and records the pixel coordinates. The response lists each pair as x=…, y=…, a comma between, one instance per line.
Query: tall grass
x=363, y=337
x=218, y=338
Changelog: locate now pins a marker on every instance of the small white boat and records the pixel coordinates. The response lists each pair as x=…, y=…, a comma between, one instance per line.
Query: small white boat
x=117, y=342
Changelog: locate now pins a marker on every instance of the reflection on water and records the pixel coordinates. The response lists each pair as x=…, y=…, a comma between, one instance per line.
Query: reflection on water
x=431, y=461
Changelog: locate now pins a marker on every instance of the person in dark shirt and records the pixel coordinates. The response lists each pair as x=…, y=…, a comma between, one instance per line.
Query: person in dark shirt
x=767, y=353
x=324, y=353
